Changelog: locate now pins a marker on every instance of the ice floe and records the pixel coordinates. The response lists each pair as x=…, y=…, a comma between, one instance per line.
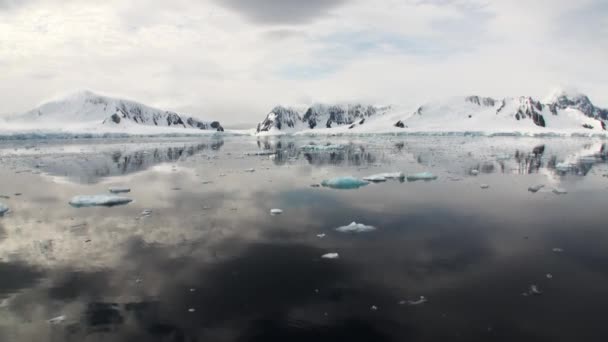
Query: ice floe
x=535, y=188
x=560, y=191
x=344, y=183
x=275, y=212
x=99, y=200
x=418, y=301
x=383, y=177
x=117, y=190
x=330, y=256
x=356, y=228
x=423, y=176
x=484, y=186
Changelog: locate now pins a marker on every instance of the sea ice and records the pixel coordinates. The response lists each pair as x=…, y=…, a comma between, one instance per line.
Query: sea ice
x=484, y=186
x=474, y=172
x=119, y=190
x=3, y=209
x=330, y=256
x=99, y=200
x=424, y=176
x=356, y=228
x=275, y=212
x=344, y=183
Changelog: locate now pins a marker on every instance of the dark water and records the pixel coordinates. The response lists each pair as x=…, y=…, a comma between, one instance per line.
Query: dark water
x=211, y=264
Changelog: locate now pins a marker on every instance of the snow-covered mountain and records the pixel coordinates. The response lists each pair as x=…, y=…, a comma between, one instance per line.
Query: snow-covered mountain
x=86, y=109
x=561, y=112
x=318, y=116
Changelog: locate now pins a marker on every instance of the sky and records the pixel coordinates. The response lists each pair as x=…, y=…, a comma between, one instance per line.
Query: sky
x=233, y=60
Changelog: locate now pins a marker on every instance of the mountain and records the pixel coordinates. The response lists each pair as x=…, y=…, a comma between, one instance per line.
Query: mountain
x=561, y=112
x=318, y=116
x=89, y=109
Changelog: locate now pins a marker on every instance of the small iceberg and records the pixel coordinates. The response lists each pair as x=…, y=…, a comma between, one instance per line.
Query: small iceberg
x=99, y=200
x=3, y=209
x=344, y=183
x=330, y=256
x=275, y=212
x=560, y=191
x=563, y=167
x=57, y=320
x=356, y=228
x=423, y=176
x=418, y=301
x=474, y=172
x=119, y=190
x=484, y=186
x=536, y=188
x=383, y=177
x=250, y=170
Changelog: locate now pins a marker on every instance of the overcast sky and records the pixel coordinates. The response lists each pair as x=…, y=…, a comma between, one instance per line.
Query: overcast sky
x=232, y=60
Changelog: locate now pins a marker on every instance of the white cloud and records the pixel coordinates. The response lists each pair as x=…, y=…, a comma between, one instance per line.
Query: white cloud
x=234, y=61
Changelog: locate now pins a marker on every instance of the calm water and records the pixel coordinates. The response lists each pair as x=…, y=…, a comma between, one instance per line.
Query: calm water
x=209, y=263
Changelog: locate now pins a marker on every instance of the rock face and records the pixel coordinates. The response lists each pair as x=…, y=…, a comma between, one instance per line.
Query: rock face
x=318, y=116
x=87, y=107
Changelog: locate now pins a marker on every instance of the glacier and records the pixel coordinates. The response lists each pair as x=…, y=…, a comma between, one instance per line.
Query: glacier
x=99, y=200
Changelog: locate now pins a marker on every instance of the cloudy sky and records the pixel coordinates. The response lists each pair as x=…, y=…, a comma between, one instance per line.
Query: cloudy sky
x=233, y=60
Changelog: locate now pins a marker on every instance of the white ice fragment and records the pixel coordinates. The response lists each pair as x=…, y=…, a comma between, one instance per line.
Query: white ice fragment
x=250, y=170
x=549, y=276
x=535, y=188
x=146, y=213
x=560, y=191
x=99, y=200
x=356, y=228
x=558, y=250
x=474, y=172
x=320, y=236
x=383, y=177
x=484, y=186
x=322, y=148
x=57, y=320
x=330, y=256
x=423, y=176
x=534, y=290
x=344, y=183
x=275, y=212
x=563, y=167
x=119, y=190
x=418, y=301
x=373, y=308
x=3, y=209
x=191, y=310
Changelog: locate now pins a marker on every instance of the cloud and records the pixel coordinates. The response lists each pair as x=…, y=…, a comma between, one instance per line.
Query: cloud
x=233, y=60
x=282, y=11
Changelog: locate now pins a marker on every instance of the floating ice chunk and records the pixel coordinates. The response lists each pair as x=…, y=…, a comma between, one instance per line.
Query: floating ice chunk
x=356, y=228
x=250, y=170
x=99, y=200
x=344, y=183
x=383, y=177
x=535, y=188
x=262, y=153
x=375, y=178
x=549, y=276
x=322, y=148
x=558, y=250
x=563, y=167
x=373, y=308
x=423, y=176
x=534, y=290
x=275, y=212
x=560, y=191
x=418, y=301
x=57, y=320
x=484, y=186
x=474, y=172
x=3, y=209
x=119, y=190
x=330, y=256
x=320, y=236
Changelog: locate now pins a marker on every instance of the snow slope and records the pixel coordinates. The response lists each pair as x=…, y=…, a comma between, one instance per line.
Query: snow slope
x=88, y=112
x=560, y=113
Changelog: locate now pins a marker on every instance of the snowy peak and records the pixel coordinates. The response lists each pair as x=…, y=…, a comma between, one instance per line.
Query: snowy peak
x=318, y=116
x=88, y=107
